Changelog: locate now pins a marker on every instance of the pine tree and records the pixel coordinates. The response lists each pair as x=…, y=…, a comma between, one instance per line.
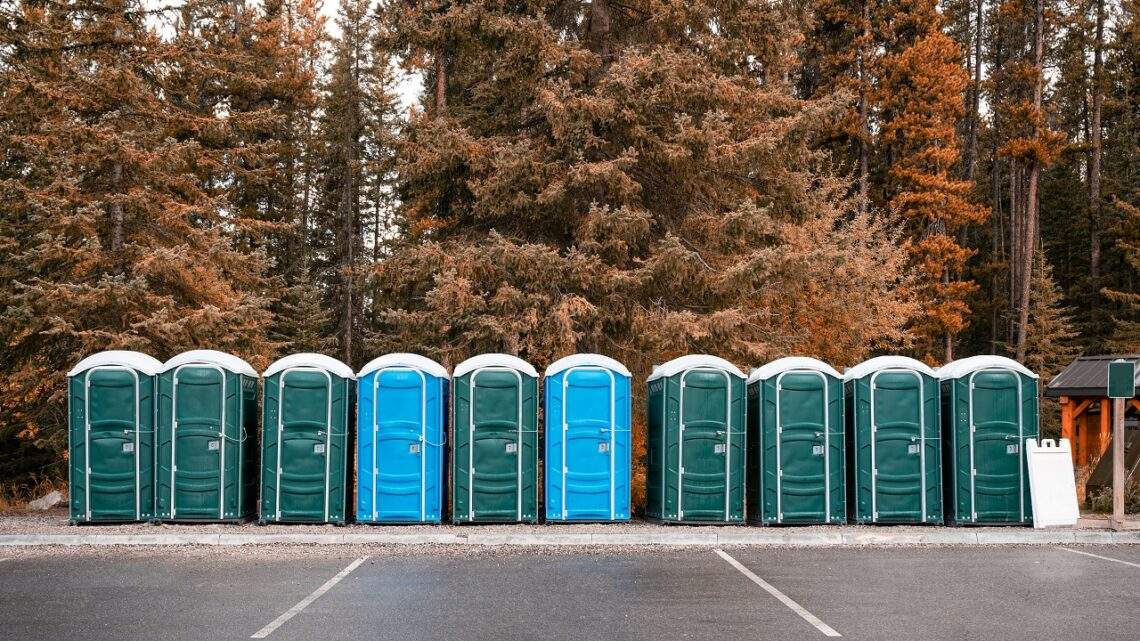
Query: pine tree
x=302, y=322
x=110, y=238
x=1050, y=339
x=380, y=225
x=837, y=57
x=1126, y=337
x=1027, y=144
x=964, y=24
x=254, y=77
x=1122, y=178
x=347, y=150
x=920, y=93
x=587, y=181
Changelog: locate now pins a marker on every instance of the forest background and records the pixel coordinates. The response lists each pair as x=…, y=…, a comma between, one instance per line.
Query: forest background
x=640, y=178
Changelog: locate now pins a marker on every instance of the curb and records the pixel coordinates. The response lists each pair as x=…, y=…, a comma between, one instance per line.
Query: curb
x=736, y=537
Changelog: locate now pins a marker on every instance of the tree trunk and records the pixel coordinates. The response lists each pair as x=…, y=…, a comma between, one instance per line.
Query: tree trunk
x=116, y=208
x=997, y=229
x=306, y=201
x=347, y=205
x=376, y=221
x=996, y=232
x=1097, y=154
x=864, y=133
x=440, y=86
x=1015, y=223
x=598, y=37
x=949, y=343
x=600, y=27
x=976, y=96
x=1031, y=196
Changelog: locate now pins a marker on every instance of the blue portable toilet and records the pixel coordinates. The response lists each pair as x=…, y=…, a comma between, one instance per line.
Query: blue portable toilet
x=587, y=439
x=401, y=431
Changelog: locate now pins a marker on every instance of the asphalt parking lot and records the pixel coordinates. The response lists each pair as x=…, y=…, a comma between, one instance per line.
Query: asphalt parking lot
x=663, y=593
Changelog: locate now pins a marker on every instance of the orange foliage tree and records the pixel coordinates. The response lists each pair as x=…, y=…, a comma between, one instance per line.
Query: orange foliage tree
x=919, y=96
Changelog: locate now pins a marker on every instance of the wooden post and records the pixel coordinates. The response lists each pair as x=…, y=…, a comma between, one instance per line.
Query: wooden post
x=1067, y=424
x=1105, y=427
x=1118, y=464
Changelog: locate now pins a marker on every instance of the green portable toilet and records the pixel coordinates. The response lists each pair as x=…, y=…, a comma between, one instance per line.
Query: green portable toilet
x=894, y=453
x=304, y=440
x=206, y=465
x=695, y=456
x=795, y=439
x=494, y=443
x=989, y=408
x=110, y=413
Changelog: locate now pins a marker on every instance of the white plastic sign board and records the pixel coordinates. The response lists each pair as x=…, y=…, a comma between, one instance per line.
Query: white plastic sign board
x=1052, y=485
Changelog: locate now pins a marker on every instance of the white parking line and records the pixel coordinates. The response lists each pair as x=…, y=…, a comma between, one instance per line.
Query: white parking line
x=292, y=612
x=783, y=598
x=1104, y=558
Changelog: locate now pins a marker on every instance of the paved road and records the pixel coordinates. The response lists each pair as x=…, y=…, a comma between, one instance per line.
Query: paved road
x=1007, y=593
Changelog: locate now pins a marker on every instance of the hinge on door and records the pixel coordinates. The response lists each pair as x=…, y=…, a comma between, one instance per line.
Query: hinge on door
x=681, y=471
x=974, y=471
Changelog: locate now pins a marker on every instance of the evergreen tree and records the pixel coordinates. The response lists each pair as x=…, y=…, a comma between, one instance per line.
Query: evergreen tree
x=1029, y=146
x=302, y=321
x=380, y=227
x=630, y=180
x=254, y=76
x=920, y=93
x=1126, y=338
x=837, y=58
x=1050, y=338
x=1122, y=178
x=346, y=126
x=111, y=239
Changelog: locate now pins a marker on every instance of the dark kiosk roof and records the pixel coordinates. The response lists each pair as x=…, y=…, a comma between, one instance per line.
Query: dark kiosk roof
x=1087, y=376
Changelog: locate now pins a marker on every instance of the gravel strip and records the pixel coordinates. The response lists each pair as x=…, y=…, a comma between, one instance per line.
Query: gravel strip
x=630, y=537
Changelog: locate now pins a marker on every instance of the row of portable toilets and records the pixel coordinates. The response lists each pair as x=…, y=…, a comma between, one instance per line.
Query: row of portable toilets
x=794, y=442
